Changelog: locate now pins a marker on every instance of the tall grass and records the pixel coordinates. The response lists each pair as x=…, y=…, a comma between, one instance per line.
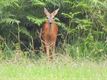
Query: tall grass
x=62, y=68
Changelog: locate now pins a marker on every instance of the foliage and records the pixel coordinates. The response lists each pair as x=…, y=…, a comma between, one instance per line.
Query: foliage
x=83, y=22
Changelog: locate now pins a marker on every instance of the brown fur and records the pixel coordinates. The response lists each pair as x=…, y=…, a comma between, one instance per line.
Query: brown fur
x=49, y=36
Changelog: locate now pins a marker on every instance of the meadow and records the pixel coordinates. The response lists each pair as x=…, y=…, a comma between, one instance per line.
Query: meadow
x=59, y=69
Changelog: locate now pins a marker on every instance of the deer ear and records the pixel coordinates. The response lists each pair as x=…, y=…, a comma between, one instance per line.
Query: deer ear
x=55, y=12
x=46, y=12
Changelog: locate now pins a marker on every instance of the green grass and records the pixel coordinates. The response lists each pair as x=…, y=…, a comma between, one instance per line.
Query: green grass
x=73, y=70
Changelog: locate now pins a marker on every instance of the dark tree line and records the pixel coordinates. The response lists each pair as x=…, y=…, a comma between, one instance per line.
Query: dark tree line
x=82, y=26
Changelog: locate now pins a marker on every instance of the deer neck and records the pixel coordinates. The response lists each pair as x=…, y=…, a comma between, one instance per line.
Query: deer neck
x=50, y=26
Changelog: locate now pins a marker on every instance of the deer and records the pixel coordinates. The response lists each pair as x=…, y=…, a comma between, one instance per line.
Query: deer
x=49, y=33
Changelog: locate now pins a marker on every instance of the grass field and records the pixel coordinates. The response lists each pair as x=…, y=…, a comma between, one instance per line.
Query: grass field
x=57, y=70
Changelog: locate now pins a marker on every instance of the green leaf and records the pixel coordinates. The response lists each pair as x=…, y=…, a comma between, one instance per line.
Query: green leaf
x=9, y=21
x=36, y=20
x=24, y=31
x=38, y=3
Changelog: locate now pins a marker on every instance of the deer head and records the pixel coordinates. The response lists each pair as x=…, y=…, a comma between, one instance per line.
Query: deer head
x=50, y=16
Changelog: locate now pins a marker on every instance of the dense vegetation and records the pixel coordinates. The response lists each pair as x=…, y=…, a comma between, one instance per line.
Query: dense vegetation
x=82, y=27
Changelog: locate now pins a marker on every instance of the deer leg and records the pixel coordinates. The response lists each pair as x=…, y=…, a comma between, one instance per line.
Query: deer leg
x=51, y=54
x=48, y=52
x=53, y=49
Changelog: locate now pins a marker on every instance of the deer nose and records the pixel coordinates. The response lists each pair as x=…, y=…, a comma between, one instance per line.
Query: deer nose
x=50, y=21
